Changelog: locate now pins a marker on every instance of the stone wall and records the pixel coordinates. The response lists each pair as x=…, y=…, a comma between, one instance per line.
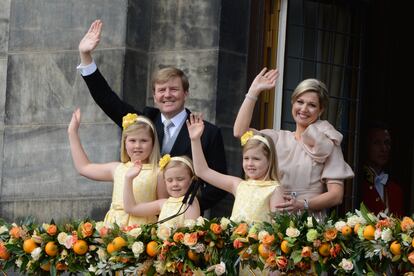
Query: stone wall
x=40, y=88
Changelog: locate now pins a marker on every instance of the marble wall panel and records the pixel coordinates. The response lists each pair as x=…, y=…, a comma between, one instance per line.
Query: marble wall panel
x=136, y=84
x=139, y=24
x=45, y=88
x=61, y=210
x=50, y=24
x=38, y=169
x=4, y=26
x=185, y=24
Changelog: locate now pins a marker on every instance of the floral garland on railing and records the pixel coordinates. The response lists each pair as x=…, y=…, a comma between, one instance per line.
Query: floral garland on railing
x=359, y=244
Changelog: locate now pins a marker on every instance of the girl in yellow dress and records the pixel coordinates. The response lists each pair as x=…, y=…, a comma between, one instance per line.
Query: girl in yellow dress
x=258, y=194
x=178, y=176
x=139, y=143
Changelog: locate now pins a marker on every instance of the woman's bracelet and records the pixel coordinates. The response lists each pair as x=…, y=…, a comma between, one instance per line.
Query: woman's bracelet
x=250, y=97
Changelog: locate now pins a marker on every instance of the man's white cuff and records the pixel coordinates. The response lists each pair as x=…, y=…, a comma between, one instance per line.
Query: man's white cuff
x=87, y=70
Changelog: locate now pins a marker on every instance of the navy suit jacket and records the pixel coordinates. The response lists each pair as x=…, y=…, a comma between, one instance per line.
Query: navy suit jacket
x=211, y=140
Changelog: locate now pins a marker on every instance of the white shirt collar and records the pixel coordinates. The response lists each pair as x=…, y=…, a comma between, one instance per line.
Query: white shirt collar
x=177, y=120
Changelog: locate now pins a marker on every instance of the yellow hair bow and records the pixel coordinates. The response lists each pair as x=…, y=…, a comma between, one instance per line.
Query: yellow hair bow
x=128, y=120
x=164, y=161
x=245, y=137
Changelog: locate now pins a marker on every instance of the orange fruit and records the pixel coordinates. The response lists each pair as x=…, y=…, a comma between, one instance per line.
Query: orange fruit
x=51, y=249
x=356, y=228
x=152, y=249
x=45, y=267
x=346, y=230
x=395, y=248
x=369, y=232
x=285, y=246
x=192, y=255
x=110, y=248
x=61, y=266
x=412, y=243
x=324, y=249
x=263, y=251
x=29, y=245
x=80, y=247
x=244, y=255
x=118, y=243
x=4, y=253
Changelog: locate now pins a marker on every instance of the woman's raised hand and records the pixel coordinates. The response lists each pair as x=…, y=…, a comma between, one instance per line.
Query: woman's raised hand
x=265, y=80
x=75, y=121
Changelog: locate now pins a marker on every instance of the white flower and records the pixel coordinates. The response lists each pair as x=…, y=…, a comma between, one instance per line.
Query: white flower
x=19, y=262
x=102, y=254
x=309, y=222
x=292, y=232
x=220, y=268
x=92, y=268
x=386, y=235
x=190, y=223
x=135, y=232
x=354, y=220
x=3, y=229
x=262, y=234
x=200, y=221
x=137, y=248
x=36, y=253
x=346, y=264
x=224, y=223
x=163, y=232
x=199, y=248
x=339, y=225
x=160, y=267
x=62, y=238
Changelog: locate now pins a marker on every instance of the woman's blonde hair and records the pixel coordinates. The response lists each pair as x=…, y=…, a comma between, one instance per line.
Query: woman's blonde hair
x=312, y=85
x=147, y=126
x=269, y=151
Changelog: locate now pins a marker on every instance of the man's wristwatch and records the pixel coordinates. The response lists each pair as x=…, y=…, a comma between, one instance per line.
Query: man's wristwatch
x=305, y=204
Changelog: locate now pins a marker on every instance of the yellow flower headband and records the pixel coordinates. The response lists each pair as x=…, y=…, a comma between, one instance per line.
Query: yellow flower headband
x=132, y=118
x=249, y=135
x=167, y=158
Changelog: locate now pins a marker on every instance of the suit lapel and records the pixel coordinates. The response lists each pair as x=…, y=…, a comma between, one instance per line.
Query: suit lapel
x=159, y=128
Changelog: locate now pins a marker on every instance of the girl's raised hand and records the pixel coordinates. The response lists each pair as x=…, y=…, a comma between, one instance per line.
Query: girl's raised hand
x=195, y=125
x=75, y=121
x=134, y=170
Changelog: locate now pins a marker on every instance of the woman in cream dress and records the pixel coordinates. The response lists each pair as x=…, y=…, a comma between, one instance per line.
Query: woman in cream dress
x=311, y=165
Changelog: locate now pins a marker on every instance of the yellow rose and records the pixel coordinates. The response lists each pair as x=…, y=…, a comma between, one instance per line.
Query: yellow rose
x=128, y=120
x=245, y=137
x=164, y=161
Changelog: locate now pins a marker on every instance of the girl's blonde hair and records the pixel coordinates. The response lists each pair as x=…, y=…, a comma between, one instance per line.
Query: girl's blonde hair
x=141, y=125
x=268, y=150
x=174, y=162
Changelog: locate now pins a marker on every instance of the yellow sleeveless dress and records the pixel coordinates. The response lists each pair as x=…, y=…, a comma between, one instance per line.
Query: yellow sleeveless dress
x=171, y=207
x=144, y=188
x=252, y=200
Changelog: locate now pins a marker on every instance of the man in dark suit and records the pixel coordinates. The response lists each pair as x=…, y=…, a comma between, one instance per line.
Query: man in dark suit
x=170, y=91
x=378, y=190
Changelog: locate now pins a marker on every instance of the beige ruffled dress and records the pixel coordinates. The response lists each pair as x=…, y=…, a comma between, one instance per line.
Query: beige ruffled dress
x=305, y=165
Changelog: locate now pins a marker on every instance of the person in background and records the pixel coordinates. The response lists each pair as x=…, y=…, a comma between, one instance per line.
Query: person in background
x=170, y=89
x=379, y=191
x=311, y=165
